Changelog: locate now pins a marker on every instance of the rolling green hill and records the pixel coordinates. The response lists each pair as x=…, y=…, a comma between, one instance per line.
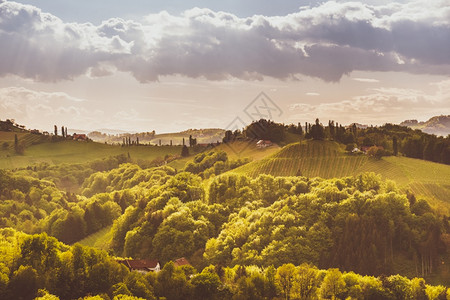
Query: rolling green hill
x=242, y=149
x=234, y=150
x=39, y=149
x=328, y=159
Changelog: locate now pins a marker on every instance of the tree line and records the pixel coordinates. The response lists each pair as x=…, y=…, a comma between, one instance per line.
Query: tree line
x=390, y=139
x=40, y=267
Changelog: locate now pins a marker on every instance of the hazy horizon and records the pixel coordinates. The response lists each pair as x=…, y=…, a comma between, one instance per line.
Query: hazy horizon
x=173, y=65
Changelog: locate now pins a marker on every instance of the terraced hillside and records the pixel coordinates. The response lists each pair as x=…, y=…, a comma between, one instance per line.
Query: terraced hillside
x=328, y=159
x=26, y=138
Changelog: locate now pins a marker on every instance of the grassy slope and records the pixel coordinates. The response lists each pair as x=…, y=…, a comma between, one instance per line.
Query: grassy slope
x=100, y=239
x=71, y=151
x=328, y=159
x=243, y=149
x=235, y=150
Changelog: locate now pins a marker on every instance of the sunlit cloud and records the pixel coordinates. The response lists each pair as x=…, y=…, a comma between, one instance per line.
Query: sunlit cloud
x=327, y=42
x=37, y=109
x=391, y=103
x=366, y=80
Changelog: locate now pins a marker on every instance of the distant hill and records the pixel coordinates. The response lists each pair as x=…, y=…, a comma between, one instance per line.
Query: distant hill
x=328, y=159
x=439, y=125
x=358, y=125
x=77, y=131
x=203, y=136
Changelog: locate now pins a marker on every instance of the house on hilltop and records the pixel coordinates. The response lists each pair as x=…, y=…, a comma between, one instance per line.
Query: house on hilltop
x=79, y=137
x=366, y=148
x=264, y=143
x=356, y=150
x=141, y=265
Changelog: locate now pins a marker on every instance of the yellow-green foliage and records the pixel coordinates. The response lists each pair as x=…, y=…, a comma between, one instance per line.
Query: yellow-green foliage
x=38, y=261
x=34, y=205
x=40, y=266
x=212, y=163
x=321, y=221
x=275, y=220
x=125, y=177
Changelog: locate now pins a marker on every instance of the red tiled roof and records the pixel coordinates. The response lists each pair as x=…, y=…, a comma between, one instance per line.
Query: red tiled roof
x=79, y=136
x=181, y=262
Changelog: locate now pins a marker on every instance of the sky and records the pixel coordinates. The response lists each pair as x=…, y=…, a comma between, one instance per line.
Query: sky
x=172, y=65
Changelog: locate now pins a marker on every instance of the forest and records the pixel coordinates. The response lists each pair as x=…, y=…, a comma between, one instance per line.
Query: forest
x=261, y=237
x=40, y=266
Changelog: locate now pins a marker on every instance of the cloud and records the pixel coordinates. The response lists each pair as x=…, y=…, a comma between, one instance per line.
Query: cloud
x=41, y=110
x=38, y=109
x=366, y=80
x=392, y=103
x=312, y=94
x=40, y=46
x=26, y=105
x=327, y=42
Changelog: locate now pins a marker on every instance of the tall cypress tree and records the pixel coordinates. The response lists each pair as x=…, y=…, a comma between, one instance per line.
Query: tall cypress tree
x=184, y=151
x=395, y=145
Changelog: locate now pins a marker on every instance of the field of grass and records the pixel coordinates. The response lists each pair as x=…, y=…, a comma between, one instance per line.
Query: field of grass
x=100, y=239
x=243, y=149
x=71, y=151
x=234, y=150
x=328, y=159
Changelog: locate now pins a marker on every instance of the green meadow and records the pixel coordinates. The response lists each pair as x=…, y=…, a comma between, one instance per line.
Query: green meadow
x=68, y=151
x=100, y=239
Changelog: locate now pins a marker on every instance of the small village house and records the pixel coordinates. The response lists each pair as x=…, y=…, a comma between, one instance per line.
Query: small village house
x=264, y=143
x=79, y=137
x=141, y=265
x=181, y=262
